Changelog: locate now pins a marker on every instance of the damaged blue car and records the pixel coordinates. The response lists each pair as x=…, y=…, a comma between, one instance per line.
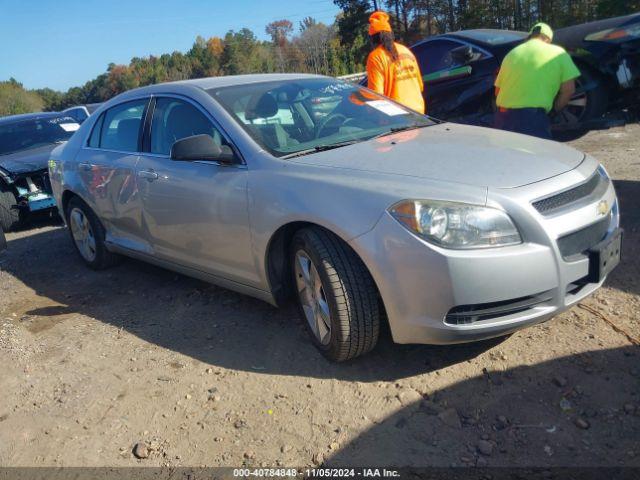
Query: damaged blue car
x=25, y=143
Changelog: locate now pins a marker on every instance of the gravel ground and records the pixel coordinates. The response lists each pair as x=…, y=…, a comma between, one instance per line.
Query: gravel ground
x=95, y=363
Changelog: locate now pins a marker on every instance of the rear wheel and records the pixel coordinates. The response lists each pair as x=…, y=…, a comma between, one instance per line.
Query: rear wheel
x=9, y=212
x=88, y=236
x=337, y=297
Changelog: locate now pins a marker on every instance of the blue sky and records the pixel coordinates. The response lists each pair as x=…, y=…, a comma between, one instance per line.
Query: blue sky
x=64, y=43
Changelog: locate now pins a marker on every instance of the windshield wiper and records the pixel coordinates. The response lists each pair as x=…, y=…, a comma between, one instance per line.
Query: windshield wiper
x=398, y=129
x=321, y=148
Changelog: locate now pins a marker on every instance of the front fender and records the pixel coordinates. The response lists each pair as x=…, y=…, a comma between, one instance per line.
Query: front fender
x=346, y=203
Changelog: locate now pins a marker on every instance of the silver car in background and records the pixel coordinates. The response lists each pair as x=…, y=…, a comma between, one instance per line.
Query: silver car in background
x=365, y=213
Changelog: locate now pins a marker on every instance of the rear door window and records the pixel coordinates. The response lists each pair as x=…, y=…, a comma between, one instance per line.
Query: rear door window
x=121, y=126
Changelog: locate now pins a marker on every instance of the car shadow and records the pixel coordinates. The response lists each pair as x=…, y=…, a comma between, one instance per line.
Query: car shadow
x=208, y=323
x=227, y=329
x=579, y=410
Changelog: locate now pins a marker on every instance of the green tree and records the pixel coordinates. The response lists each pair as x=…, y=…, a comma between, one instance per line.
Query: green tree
x=353, y=26
x=337, y=49
x=52, y=99
x=14, y=99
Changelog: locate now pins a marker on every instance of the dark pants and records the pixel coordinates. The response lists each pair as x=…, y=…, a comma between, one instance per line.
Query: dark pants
x=530, y=121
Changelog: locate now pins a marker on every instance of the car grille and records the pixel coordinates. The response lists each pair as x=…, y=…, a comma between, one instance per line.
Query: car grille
x=468, y=314
x=582, y=240
x=548, y=205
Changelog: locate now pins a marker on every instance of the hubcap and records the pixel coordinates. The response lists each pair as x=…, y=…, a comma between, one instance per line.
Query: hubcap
x=312, y=297
x=82, y=234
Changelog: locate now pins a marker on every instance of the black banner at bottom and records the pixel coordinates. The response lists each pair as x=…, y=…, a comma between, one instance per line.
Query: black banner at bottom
x=224, y=473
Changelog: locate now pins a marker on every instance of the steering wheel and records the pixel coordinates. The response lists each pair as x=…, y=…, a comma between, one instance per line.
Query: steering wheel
x=327, y=122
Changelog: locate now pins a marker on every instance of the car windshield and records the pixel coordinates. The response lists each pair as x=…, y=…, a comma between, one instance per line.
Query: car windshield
x=493, y=37
x=27, y=134
x=295, y=117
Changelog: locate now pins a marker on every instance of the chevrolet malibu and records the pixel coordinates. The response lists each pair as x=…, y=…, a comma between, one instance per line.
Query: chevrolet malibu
x=364, y=213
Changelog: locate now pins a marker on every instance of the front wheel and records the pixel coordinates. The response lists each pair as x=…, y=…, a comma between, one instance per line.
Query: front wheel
x=10, y=217
x=336, y=295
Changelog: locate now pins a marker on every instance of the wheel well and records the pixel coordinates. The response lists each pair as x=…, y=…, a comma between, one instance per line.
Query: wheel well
x=277, y=262
x=67, y=195
x=597, y=75
x=278, y=265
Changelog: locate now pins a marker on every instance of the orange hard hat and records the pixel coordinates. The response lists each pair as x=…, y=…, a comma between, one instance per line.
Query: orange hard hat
x=379, y=22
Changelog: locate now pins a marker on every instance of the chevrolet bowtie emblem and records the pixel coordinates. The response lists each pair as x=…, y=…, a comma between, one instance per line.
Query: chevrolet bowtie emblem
x=603, y=207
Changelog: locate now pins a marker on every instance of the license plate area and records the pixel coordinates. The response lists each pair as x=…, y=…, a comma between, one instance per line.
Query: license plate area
x=604, y=257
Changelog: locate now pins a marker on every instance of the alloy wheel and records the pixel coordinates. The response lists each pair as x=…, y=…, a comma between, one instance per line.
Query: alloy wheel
x=83, y=235
x=312, y=297
x=574, y=112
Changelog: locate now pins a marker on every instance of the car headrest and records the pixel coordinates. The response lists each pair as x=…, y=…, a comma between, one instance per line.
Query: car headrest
x=264, y=106
x=128, y=132
x=180, y=123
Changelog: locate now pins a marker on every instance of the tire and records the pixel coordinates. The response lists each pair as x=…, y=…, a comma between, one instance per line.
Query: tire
x=347, y=295
x=567, y=125
x=10, y=217
x=3, y=241
x=87, y=234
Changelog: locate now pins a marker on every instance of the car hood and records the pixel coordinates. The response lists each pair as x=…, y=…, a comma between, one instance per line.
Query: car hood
x=456, y=153
x=27, y=161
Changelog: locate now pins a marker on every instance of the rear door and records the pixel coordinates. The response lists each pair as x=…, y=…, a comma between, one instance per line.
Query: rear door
x=195, y=212
x=107, y=166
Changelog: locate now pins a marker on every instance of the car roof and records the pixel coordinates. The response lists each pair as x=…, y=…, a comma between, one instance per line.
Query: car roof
x=184, y=86
x=573, y=36
x=29, y=116
x=224, y=81
x=475, y=36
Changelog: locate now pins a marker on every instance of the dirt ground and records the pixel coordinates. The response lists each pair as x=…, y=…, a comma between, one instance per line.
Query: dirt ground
x=93, y=363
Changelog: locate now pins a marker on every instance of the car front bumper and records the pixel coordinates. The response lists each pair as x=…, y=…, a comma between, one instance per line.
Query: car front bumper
x=442, y=296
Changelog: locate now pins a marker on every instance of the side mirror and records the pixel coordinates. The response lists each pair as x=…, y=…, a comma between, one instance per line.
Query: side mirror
x=201, y=147
x=463, y=54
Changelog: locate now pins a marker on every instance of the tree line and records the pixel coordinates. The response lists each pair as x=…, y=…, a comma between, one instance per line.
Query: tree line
x=311, y=47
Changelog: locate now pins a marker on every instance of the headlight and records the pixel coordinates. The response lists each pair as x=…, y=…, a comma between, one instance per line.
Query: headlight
x=456, y=225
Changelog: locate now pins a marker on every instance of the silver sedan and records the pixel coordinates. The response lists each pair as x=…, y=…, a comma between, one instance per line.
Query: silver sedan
x=306, y=187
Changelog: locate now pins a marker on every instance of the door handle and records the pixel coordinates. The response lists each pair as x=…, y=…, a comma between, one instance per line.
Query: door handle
x=148, y=174
x=85, y=166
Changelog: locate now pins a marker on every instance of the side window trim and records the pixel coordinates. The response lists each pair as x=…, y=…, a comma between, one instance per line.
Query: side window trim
x=209, y=117
x=143, y=124
x=148, y=120
x=97, y=128
x=101, y=122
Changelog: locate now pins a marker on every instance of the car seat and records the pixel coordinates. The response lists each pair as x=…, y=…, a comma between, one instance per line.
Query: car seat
x=127, y=135
x=273, y=135
x=183, y=121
